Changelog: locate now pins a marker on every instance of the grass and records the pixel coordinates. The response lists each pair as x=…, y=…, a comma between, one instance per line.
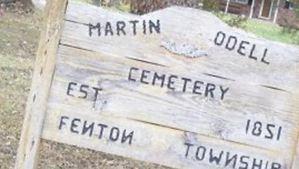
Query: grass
x=272, y=32
x=124, y=7
x=262, y=29
x=18, y=36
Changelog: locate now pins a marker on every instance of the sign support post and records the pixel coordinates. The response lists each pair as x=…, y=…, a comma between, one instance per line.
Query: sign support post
x=42, y=77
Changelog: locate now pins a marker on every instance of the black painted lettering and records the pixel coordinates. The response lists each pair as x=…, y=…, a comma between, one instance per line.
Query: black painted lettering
x=197, y=87
x=257, y=128
x=242, y=47
x=231, y=43
x=134, y=23
x=62, y=122
x=120, y=26
x=256, y=165
x=244, y=162
x=144, y=76
x=74, y=125
x=176, y=83
x=247, y=126
x=96, y=93
x=102, y=128
x=130, y=74
x=171, y=81
x=153, y=26
x=186, y=80
x=227, y=159
x=200, y=153
x=268, y=127
x=144, y=26
x=160, y=78
x=276, y=166
x=223, y=91
x=91, y=27
x=279, y=133
x=215, y=158
x=231, y=161
x=108, y=29
x=267, y=163
x=264, y=57
x=210, y=88
x=114, y=134
x=128, y=137
x=188, y=148
x=87, y=128
x=83, y=89
x=252, y=52
x=69, y=88
x=219, y=39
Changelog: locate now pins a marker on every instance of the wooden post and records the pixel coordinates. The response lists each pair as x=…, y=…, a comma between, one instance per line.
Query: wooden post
x=41, y=83
x=251, y=9
x=295, y=163
x=276, y=11
x=227, y=6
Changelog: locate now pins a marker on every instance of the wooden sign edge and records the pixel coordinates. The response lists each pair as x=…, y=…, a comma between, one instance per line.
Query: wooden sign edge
x=295, y=163
x=27, y=155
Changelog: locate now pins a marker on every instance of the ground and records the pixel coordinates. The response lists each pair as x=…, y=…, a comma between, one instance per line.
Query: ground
x=19, y=34
x=18, y=37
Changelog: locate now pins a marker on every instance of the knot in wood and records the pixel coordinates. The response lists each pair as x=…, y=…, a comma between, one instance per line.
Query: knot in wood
x=187, y=50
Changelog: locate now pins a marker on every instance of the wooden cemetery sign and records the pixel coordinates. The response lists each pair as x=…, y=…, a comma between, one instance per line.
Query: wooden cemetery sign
x=176, y=87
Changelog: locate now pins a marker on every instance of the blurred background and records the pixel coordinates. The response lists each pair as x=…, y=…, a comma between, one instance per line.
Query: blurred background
x=276, y=20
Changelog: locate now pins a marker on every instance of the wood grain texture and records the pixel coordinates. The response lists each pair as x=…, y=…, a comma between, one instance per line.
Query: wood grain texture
x=295, y=164
x=259, y=92
x=153, y=143
x=186, y=27
x=185, y=111
x=42, y=78
x=224, y=120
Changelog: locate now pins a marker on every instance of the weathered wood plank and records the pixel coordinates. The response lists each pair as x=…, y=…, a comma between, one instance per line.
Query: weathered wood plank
x=262, y=75
x=152, y=143
x=186, y=28
x=223, y=119
x=42, y=78
x=295, y=164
